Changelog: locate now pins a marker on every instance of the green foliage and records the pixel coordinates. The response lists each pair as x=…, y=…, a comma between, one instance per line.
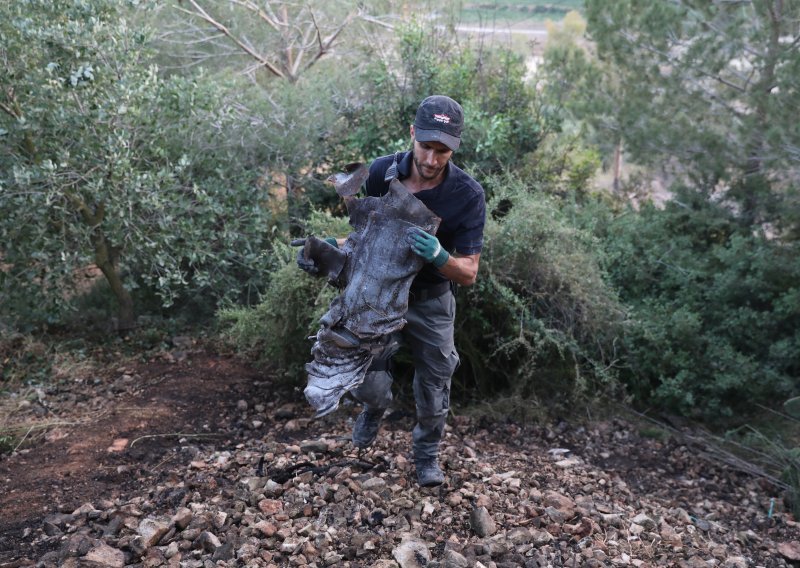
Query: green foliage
x=717, y=308
x=771, y=445
x=105, y=162
x=7, y=443
x=712, y=87
x=792, y=407
x=540, y=320
x=563, y=166
x=502, y=116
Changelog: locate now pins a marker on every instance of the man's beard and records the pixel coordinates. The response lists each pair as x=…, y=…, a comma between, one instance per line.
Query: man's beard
x=422, y=168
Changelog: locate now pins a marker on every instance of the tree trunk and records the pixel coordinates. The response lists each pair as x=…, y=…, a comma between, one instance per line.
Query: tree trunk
x=104, y=258
x=754, y=185
x=617, y=165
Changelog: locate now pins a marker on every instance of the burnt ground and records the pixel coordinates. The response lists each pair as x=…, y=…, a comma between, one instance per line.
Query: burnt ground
x=145, y=440
x=152, y=406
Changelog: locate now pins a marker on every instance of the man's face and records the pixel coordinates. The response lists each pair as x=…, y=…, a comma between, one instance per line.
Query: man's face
x=430, y=158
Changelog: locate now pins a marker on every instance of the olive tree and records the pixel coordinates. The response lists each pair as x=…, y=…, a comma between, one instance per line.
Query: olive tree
x=101, y=160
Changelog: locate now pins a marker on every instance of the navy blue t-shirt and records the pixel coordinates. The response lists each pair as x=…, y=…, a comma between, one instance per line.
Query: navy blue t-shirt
x=459, y=201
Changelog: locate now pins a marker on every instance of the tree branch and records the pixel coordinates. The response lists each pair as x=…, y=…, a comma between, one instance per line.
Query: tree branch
x=668, y=58
x=325, y=45
x=261, y=14
x=205, y=16
x=375, y=21
x=4, y=107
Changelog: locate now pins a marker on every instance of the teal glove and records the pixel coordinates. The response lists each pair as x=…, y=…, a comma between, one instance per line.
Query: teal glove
x=428, y=247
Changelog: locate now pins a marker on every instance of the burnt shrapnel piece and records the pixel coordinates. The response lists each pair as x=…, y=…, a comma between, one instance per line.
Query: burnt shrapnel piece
x=374, y=269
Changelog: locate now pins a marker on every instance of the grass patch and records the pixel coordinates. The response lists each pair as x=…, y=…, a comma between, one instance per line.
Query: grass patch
x=517, y=13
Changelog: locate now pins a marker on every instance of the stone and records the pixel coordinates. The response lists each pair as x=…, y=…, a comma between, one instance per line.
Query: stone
x=560, y=502
x=290, y=546
x=285, y=412
x=182, y=518
x=790, y=550
x=453, y=559
x=153, y=558
x=412, y=553
x=218, y=519
x=266, y=528
x=207, y=541
x=151, y=531
x=104, y=556
x=555, y=515
x=519, y=535
x=569, y=463
x=482, y=523
x=373, y=483
x=85, y=509
x=77, y=545
x=644, y=521
x=540, y=537
x=270, y=506
x=172, y=549
x=224, y=552
x=455, y=499
x=317, y=446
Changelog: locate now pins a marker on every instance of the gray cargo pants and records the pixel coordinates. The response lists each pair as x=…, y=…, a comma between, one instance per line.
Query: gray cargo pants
x=428, y=333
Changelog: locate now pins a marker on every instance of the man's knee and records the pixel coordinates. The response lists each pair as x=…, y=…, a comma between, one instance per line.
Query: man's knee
x=376, y=390
x=434, y=370
x=437, y=362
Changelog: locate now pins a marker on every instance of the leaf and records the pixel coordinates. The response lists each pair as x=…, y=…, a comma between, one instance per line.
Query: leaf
x=792, y=407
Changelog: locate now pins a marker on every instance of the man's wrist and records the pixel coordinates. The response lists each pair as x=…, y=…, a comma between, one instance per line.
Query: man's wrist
x=441, y=259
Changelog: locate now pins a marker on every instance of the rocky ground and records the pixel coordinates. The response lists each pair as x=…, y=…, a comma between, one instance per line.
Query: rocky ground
x=194, y=460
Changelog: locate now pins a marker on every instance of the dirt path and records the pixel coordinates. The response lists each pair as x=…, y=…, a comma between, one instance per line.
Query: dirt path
x=202, y=462
x=148, y=407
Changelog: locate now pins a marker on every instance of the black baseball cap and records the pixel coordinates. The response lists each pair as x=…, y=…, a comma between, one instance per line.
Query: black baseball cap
x=439, y=119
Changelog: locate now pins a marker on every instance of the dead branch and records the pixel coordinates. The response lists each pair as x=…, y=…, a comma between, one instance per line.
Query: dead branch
x=244, y=47
x=172, y=435
x=303, y=41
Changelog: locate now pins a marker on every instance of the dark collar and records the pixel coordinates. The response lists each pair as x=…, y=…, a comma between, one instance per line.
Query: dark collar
x=404, y=166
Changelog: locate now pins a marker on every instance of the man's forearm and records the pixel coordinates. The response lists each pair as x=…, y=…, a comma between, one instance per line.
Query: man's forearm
x=462, y=270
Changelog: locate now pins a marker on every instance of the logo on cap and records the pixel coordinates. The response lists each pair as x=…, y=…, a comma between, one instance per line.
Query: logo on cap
x=443, y=118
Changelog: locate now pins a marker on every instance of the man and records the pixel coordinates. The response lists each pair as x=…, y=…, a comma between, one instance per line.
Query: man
x=452, y=258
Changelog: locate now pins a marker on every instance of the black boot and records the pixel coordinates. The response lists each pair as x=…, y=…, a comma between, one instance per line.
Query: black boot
x=366, y=427
x=429, y=474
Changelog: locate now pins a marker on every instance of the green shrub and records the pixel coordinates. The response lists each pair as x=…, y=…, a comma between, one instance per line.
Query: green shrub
x=25, y=359
x=107, y=162
x=716, y=307
x=540, y=321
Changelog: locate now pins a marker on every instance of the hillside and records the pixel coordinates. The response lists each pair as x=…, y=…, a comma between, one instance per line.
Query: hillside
x=192, y=459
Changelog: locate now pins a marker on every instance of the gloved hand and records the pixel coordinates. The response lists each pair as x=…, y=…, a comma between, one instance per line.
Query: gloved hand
x=308, y=265
x=427, y=246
